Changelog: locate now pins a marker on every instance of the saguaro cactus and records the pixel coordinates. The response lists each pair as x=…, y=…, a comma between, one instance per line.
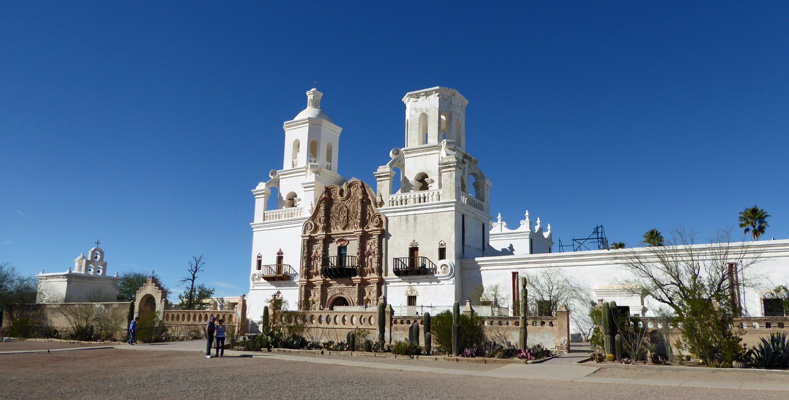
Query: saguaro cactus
x=523, y=342
x=416, y=333
x=428, y=335
x=382, y=322
x=456, y=329
x=609, y=326
x=266, y=325
x=618, y=346
x=351, y=339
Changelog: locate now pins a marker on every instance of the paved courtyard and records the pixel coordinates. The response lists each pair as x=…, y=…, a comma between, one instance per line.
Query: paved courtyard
x=180, y=371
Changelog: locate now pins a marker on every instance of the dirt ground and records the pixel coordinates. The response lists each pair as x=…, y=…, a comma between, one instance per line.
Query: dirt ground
x=127, y=374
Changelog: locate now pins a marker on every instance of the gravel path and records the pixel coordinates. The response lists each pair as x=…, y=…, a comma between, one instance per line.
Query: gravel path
x=125, y=374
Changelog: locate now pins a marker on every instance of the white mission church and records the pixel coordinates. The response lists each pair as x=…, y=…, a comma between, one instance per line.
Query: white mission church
x=324, y=242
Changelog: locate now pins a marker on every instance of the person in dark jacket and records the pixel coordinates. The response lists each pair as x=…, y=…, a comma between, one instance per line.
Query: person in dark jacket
x=133, y=330
x=209, y=335
x=220, y=338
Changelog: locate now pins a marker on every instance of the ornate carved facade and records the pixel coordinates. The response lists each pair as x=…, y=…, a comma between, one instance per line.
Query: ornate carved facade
x=342, y=242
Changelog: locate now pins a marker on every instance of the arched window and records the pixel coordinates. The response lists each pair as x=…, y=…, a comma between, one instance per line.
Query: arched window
x=295, y=156
x=423, y=129
x=272, y=203
x=420, y=182
x=290, y=200
x=259, y=263
x=328, y=156
x=314, y=151
x=442, y=250
x=443, y=126
x=397, y=180
x=473, y=186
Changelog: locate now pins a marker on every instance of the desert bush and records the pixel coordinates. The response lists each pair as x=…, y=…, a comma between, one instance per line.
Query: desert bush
x=293, y=341
x=471, y=327
x=406, y=348
x=151, y=328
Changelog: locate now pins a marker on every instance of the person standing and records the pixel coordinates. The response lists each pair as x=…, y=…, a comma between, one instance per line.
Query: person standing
x=133, y=330
x=220, y=338
x=209, y=335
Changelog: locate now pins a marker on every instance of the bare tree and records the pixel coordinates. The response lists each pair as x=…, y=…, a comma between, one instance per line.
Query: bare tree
x=15, y=291
x=551, y=288
x=684, y=269
x=196, y=266
x=493, y=295
x=701, y=285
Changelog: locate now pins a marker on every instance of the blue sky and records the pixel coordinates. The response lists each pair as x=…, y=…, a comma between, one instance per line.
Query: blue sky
x=146, y=124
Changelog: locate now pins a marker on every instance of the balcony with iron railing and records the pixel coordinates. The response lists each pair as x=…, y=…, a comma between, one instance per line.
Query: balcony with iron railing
x=406, y=266
x=335, y=267
x=277, y=272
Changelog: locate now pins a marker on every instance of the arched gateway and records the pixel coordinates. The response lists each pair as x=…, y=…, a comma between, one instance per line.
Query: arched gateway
x=341, y=261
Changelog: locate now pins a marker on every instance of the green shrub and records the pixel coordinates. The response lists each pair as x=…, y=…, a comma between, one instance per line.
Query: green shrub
x=82, y=332
x=471, y=327
x=23, y=327
x=151, y=328
x=706, y=333
x=293, y=341
x=406, y=348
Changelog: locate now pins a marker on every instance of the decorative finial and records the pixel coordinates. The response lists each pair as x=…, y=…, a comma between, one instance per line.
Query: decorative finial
x=499, y=218
x=315, y=84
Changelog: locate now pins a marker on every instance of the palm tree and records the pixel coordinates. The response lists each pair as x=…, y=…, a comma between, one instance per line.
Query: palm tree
x=754, y=220
x=617, y=245
x=653, y=237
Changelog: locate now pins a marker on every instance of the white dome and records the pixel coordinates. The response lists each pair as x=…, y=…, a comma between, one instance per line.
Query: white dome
x=312, y=112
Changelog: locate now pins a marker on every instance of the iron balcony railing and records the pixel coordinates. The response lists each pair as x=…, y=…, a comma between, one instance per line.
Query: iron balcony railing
x=404, y=266
x=277, y=272
x=339, y=267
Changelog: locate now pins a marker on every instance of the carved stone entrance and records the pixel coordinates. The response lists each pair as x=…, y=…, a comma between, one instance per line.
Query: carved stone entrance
x=341, y=249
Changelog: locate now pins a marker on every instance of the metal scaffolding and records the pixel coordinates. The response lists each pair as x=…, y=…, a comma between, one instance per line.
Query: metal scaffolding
x=595, y=241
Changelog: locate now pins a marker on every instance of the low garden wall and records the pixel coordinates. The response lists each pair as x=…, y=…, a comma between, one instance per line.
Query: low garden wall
x=750, y=329
x=322, y=326
x=108, y=317
x=191, y=323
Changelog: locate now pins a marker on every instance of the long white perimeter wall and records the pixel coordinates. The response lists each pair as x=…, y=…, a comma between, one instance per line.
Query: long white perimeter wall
x=602, y=269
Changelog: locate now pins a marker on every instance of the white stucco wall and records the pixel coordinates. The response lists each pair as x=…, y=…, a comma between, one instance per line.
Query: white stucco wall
x=72, y=287
x=601, y=270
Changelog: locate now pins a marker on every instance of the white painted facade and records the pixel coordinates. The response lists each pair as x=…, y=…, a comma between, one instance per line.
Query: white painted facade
x=436, y=202
x=310, y=159
x=87, y=282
